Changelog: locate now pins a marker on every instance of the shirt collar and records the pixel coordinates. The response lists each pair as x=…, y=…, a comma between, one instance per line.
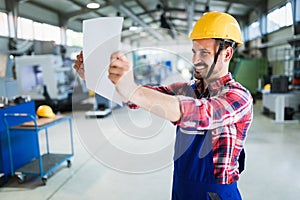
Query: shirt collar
x=217, y=84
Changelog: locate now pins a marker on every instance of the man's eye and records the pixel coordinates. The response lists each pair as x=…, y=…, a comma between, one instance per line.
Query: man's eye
x=204, y=53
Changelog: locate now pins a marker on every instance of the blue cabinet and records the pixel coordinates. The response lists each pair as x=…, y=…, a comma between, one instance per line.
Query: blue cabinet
x=19, y=142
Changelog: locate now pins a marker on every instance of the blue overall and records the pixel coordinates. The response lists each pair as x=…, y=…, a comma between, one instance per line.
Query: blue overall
x=194, y=170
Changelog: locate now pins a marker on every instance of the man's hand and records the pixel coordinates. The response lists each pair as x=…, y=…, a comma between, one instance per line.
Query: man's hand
x=121, y=75
x=79, y=66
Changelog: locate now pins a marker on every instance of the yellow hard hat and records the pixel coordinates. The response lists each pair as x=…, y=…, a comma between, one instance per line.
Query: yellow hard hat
x=217, y=25
x=45, y=111
x=267, y=87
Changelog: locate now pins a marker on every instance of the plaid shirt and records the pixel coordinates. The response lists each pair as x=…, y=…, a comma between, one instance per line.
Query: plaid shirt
x=225, y=108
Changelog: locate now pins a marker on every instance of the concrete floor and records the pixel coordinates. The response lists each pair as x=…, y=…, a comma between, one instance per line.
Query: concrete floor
x=136, y=163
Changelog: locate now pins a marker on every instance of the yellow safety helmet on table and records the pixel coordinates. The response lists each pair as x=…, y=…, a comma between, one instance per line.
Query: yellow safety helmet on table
x=45, y=111
x=219, y=26
x=267, y=87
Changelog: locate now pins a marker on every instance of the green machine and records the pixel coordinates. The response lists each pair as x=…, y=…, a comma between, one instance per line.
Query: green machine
x=248, y=71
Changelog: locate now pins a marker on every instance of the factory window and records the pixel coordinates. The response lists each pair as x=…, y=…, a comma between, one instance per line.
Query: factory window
x=25, y=28
x=30, y=30
x=3, y=24
x=253, y=31
x=279, y=18
x=46, y=32
x=74, y=38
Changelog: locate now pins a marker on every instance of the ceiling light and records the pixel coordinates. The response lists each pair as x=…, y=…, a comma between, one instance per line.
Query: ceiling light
x=93, y=5
x=134, y=28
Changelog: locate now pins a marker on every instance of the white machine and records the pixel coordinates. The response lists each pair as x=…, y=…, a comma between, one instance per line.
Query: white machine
x=39, y=72
x=8, y=84
x=102, y=108
x=277, y=102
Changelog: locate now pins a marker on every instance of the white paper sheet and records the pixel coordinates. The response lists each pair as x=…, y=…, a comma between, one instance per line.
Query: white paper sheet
x=101, y=37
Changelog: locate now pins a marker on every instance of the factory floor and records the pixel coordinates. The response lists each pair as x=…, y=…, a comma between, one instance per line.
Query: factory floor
x=98, y=169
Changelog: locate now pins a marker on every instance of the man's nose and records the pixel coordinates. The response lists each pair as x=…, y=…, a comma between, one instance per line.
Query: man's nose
x=196, y=59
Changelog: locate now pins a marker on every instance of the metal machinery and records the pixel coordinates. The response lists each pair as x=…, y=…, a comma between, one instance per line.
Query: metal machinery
x=8, y=84
x=248, y=71
x=284, y=97
x=45, y=79
x=102, y=108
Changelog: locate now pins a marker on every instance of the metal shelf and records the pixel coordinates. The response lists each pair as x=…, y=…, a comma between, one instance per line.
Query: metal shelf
x=49, y=162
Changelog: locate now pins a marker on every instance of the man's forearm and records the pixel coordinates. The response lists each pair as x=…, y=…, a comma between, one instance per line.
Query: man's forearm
x=163, y=105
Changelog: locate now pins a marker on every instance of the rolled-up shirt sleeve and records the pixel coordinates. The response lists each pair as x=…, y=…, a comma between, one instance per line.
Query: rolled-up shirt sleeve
x=203, y=114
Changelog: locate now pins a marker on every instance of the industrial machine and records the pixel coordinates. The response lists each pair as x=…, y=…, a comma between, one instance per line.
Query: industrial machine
x=34, y=73
x=8, y=84
x=102, y=108
x=45, y=79
x=248, y=71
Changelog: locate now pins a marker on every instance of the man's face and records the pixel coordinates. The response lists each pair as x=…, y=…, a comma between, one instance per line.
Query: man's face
x=204, y=51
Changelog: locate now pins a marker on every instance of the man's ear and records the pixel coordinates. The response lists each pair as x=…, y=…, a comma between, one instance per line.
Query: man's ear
x=228, y=54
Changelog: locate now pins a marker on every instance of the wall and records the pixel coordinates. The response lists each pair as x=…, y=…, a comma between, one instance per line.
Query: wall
x=3, y=44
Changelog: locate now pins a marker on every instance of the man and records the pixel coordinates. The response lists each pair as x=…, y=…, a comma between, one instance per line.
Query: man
x=212, y=113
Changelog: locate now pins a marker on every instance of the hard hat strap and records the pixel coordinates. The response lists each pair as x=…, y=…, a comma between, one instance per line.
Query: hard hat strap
x=221, y=47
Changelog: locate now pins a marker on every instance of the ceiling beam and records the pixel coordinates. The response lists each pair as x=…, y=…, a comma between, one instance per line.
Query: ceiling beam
x=145, y=9
x=40, y=5
x=207, y=8
x=228, y=7
x=175, y=10
x=122, y=8
x=249, y=4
